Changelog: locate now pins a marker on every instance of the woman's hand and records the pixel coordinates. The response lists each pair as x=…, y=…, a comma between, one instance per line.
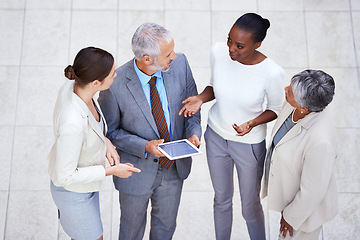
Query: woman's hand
x=244, y=128
x=285, y=226
x=191, y=106
x=122, y=170
x=111, y=153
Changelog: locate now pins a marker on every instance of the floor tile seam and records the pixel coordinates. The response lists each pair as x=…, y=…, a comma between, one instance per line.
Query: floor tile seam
x=45, y=190
x=31, y=190
x=327, y=11
x=70, y=35
x=190, y=9
x=200, y=66
x=354, y=43
x=101, y=191
x=350, y=128
x=166, y=10
x=14, y=129
x=13, y=10
x=320, y=66
x=172, y=10
x=7, y=125
x=267, y=216
x=70, y=9
x=306, y=37
x=211, y=23
x=349, y=193
x=117, y=32
x=288, y=11
x=50, y=126
x=94, y=10
x=32, y=126
x=27, y=65
x=112, y=190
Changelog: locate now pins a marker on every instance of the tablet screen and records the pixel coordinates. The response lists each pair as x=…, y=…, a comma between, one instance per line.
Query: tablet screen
x=178, y=149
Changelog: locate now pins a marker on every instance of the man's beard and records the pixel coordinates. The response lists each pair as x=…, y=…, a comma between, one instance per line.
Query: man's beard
x=157, y=67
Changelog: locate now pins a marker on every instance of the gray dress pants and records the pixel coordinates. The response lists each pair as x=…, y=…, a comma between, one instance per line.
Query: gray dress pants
x=222, y=155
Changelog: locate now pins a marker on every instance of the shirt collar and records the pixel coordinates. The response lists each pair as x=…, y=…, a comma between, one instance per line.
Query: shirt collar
x=144, y=78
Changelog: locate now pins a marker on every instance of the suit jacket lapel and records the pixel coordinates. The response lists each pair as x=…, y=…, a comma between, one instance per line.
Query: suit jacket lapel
x=95, y=126
x=302, y=125
x=137, y=92
x=81, y=106
x=287, y=109
x=101, y=116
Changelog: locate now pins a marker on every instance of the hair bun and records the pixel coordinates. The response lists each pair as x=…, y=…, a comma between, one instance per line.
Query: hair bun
x=266, y=23
x=69, y=72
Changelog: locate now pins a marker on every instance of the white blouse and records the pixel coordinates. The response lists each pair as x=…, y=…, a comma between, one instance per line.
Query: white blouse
x=241, y=92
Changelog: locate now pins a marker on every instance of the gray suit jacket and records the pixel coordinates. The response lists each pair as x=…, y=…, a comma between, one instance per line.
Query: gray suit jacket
x=131, y=124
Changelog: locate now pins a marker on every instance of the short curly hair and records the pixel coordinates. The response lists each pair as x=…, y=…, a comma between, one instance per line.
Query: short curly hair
x=313, y=89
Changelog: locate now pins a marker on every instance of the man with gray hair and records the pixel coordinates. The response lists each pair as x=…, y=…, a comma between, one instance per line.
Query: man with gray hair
x=141, y=108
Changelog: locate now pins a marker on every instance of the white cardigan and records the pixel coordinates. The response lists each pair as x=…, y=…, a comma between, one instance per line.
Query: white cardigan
x=300, y=172
x=77, y=158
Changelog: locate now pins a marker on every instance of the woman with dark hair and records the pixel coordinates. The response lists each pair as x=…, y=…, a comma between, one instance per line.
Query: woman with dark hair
x=242, y=77
x=77, y=158
x=298, y=178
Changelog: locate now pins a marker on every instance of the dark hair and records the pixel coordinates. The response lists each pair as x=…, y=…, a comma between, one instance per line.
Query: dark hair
x=90, y=64
x=255, y=24
x=313, y=89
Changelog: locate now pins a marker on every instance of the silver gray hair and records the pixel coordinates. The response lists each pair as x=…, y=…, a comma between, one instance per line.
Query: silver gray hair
x=313, y=89
x=147, y=40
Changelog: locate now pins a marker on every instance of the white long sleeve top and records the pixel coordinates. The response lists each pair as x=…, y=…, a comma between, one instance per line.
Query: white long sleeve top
x=240, y=92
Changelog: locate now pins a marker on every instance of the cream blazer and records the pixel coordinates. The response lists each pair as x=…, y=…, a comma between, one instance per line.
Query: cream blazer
x=77, y=158
x=299, y=179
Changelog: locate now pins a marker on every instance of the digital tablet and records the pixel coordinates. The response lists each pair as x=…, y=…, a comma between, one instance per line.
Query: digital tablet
x=178, y=149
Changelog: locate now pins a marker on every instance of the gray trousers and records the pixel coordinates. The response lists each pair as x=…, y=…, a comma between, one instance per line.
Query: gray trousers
x=249, y=160
x=165, y=199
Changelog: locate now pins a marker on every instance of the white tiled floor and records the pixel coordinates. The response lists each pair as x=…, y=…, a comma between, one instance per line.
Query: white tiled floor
x=38, y=38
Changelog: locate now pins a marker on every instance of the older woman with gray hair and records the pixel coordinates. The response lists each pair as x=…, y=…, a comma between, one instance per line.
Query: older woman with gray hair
x=298, y=177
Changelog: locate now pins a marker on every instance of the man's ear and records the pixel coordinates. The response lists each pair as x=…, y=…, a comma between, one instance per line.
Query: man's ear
x=147, y=60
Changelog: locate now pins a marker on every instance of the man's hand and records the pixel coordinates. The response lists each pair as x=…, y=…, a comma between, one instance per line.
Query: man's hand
x=151, y=147
x=194, y=139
